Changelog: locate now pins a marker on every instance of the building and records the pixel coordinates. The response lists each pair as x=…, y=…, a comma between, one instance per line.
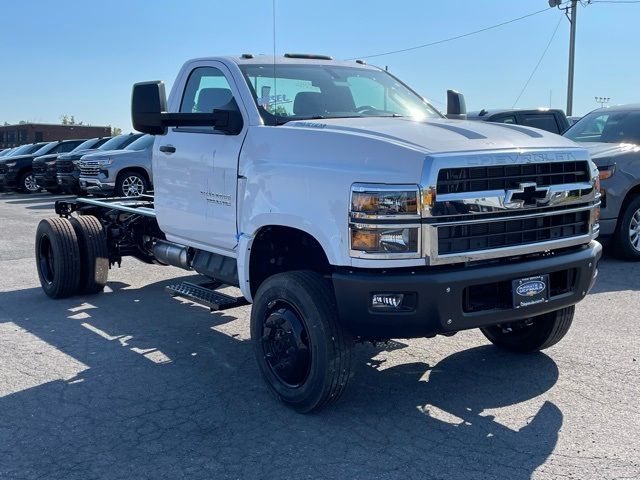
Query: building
x=16, y=135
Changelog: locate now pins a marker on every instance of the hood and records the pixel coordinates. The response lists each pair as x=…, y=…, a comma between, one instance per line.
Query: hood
x=18, y=158
x=441, y=135
x=99, y=155
x=46, y=158
x=601, y=151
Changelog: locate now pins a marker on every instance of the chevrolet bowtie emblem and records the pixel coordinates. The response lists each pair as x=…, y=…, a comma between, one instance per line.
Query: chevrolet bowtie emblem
x=529, y=194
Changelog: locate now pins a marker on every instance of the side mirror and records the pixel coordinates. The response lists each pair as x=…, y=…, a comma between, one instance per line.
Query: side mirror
x=149, y=112
x=456, y=106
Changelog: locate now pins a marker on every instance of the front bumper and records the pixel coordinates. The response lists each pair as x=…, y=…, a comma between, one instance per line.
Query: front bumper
x=47, y=180
x=9, y=181
x=68, y=181
x=441, y=295
x=95, y=185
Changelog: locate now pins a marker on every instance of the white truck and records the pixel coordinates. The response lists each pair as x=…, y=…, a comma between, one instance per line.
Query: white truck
x=345, y=208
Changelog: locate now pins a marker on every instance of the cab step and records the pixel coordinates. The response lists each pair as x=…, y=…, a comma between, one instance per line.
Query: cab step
x=206, y=294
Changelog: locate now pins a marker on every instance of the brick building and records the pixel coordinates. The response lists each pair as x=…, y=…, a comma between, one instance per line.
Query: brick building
x=15, y=135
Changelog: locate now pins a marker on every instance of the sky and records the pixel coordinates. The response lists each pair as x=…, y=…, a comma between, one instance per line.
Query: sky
x=81, y=57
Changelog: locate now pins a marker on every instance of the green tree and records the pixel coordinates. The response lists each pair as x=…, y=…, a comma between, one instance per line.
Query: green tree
x=115, y=131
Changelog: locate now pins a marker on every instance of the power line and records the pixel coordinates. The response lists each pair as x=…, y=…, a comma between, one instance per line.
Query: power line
x=535, y=69
x=452, y=38
x=615, y=1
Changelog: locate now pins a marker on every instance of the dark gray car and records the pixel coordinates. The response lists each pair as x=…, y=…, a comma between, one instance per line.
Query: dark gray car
x=612, y=136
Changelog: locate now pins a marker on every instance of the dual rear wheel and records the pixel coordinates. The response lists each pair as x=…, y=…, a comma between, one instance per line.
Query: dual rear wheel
x=71, y=256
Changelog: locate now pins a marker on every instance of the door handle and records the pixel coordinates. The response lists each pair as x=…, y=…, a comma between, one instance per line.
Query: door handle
x=167, y=149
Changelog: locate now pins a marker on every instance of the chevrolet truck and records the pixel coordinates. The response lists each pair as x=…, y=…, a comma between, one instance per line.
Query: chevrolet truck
x=345, y=208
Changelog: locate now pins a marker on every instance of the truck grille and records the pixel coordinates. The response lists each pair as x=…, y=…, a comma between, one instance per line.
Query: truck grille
x=64, y=166
x=39, y=168
x=89, y=169
x=490, y=235
x=505, y=177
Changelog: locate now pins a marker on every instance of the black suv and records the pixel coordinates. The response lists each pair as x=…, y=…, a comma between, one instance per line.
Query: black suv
x=10, y=173
x=67, y=171
x=45, y=168
x=551, y=120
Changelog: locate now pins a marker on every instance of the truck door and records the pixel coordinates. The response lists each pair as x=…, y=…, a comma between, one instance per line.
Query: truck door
x=196, y=168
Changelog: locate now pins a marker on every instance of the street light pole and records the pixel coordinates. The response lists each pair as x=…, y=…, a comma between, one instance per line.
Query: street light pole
x=572, y=54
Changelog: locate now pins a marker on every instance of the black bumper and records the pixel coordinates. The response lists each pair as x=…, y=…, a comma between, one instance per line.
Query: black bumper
x=69, y=181
x=441, y=299
x=46, y=181
x=9, y=181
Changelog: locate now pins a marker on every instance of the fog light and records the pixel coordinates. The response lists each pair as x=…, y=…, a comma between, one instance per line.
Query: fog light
x=387, y=301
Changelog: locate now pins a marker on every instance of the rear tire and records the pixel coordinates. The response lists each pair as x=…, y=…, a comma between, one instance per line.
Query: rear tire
x=303, y=352
x=531, y=335
x=94, y=253
x=57, y=257
x=626, y=239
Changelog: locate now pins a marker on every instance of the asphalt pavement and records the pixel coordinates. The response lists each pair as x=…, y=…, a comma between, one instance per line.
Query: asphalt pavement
x=133, y=383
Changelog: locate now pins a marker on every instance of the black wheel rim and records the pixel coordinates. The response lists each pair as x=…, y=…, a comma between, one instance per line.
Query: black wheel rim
x=285, y=344
x=45, y=259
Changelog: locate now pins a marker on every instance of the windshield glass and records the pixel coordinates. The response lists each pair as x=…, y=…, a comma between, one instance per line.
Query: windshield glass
x=607, y=126
x=117, y=143
x=44, y=148
x=326, y=91
x=143, y=143
x=26, y=149
x=91, y=143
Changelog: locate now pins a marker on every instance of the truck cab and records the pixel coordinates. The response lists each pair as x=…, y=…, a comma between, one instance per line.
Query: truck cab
x=551, y=120
x=345, y=208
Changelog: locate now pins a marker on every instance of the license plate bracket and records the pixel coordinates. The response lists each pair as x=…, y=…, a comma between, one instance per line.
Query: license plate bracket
x=530, y=291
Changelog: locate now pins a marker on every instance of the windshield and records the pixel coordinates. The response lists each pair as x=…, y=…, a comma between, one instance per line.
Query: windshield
x=607, y=126
x=91, y=143
x=326, y=91
x=143, y=143
x=26, y=149
x=119, y=142
x=44, y=149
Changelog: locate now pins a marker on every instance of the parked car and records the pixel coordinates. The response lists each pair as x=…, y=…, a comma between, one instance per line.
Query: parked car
x=551, y=120
x=126, y=172
x=612, y=136
x=67, y=171
x=44, y=166
x=20, y=157
x=19, y=168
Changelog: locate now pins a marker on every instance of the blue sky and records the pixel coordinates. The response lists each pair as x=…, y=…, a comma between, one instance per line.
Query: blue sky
x=82, y=57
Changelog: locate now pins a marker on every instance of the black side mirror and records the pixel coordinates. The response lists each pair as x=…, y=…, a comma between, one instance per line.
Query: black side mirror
x=149, y=112
x=456, y=106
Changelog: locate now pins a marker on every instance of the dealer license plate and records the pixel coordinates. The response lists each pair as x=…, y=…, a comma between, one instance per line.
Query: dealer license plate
x=530, y=291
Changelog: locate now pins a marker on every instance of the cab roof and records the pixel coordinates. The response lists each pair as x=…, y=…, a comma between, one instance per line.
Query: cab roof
x=290, y=59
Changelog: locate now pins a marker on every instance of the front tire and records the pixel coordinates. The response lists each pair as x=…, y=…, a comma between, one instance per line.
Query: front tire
x=626, y=239
x=303, y=352
x=531, y=335
x=57, y=257
x=131, y=184
x=27, y=183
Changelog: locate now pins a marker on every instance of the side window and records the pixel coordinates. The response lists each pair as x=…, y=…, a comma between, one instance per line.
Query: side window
x=65, y=147
x=507, y=119
x=207, y=89
x=544, y=121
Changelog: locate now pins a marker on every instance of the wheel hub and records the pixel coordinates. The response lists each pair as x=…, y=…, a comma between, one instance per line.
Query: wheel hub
x=30, y=183
x=286, y=345
x=132, y=186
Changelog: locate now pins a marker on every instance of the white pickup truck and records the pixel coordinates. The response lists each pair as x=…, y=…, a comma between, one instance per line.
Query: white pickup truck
x=345, y=208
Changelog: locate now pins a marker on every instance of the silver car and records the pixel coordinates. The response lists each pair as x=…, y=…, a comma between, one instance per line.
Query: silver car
x=612, y=136
x=124, y=173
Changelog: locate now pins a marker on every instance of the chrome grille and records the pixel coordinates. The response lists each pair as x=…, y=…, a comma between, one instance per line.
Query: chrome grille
x=89, y=169
x=504, y=177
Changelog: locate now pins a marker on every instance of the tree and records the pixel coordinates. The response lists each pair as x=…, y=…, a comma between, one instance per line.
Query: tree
x=69, y=120
x=115, y=131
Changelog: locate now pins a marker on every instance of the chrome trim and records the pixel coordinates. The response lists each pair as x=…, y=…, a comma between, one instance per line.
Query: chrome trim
x=387, y=255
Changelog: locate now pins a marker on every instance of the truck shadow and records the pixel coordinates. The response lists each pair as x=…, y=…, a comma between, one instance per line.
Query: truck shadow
x=145, y=386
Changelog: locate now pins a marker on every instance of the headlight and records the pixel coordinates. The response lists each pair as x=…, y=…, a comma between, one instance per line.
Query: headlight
x=11, y=164
x=368, y=203
x=606, y=172
x=385, y=221
x=104, y=162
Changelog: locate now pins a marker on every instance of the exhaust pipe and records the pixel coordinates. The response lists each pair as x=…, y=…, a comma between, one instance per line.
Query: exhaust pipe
x=172, y=254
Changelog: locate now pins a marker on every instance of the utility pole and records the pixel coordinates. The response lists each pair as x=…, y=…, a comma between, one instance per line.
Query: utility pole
x=572, y=54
